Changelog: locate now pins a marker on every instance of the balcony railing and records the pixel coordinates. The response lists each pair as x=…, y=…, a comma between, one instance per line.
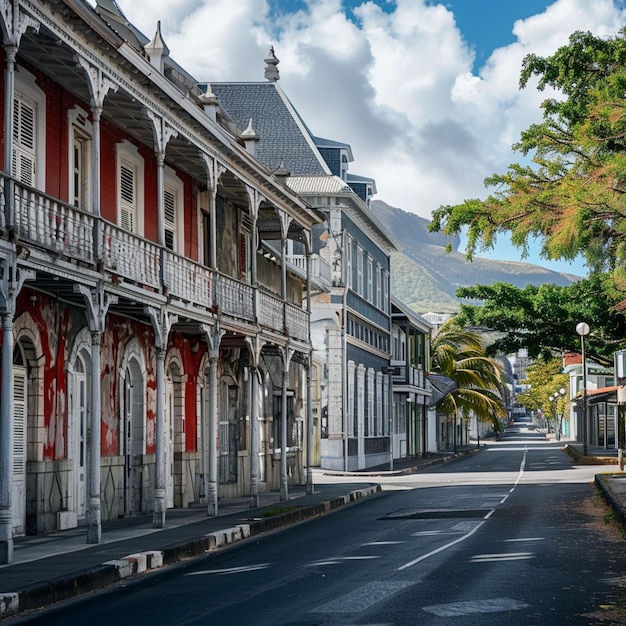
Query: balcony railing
x=413, y=376
x=59, y=227
x=69, y=232
x=319, y=268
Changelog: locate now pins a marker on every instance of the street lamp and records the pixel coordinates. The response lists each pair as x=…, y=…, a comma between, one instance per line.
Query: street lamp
x=582, y=328
x=562, y=414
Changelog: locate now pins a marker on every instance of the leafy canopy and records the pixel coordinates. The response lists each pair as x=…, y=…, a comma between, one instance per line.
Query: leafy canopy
x=571, y=197
x=543, y=319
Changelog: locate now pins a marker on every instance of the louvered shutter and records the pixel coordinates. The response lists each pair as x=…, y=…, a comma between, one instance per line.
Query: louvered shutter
x=128, y=196
x=18, y=494
x=169, y=218
x=24, y=140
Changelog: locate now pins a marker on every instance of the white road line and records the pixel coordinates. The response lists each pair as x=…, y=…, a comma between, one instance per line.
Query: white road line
x=473, y=530
x=231, y=570
x=382, y=543
x=521, y=539
x=511, y=556
x=444, y=547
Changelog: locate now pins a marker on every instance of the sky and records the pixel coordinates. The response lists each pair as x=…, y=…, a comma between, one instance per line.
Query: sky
x=425, y=91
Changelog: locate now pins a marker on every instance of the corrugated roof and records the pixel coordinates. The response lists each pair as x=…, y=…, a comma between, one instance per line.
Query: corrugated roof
x=319, y=185
x=441, y=387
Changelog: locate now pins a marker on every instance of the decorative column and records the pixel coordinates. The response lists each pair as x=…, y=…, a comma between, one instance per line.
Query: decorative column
x=255, y=347
x=99, y=87
x=309, y=381
x=214, y=171
x=14, y=25
x=213, y=335
x=10, y=286
x=286, y=353
x=161, y=323
x=97, y=305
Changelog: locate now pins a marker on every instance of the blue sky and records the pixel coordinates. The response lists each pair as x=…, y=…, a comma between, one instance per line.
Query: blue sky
x=426, y=92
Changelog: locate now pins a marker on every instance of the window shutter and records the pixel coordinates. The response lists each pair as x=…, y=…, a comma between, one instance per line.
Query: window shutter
x=24, y=148
x=128, y=195
x=169, y=218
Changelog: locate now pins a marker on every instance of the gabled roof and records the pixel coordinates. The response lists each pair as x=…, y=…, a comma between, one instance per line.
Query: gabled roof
x=284, y=139
x=399, y=309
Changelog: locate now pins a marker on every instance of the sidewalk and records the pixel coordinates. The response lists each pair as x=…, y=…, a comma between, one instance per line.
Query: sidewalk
x=57, y=566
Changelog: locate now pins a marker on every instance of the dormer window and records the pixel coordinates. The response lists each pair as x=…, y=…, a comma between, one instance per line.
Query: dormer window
x=344, y=165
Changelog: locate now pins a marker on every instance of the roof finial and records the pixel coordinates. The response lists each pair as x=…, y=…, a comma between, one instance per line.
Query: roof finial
x=157, y=49
x=271, y=66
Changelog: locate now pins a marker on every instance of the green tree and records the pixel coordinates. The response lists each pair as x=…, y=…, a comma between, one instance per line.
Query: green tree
x=571, y=197
x=543, y=318
x=459, y=354
x=545, y=379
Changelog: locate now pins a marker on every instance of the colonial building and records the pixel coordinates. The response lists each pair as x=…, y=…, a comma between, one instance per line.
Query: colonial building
x=155, y=338
x=412, y=392
x=351, y=309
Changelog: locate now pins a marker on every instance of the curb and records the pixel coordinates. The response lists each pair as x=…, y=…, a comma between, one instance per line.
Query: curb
x=110, y=572
x=610, y=497
x=414, y=469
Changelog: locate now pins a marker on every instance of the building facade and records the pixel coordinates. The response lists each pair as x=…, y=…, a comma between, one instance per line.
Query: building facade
x=155, y=337
x=350, y=297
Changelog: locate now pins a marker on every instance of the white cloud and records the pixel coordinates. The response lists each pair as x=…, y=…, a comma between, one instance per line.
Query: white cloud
x=397, y=85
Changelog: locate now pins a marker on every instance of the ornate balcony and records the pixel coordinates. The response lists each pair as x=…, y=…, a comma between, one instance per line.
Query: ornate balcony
x=71, y=234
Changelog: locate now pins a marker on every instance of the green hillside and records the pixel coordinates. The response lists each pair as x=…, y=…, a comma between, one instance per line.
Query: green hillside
x=426, y=277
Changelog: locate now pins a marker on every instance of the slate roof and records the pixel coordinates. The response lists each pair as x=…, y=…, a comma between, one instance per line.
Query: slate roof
x=284, y=139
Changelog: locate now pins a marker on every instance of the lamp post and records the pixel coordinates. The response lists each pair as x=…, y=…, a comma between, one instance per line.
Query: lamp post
x=559, y=416
x=582, y=328
x=551, y=399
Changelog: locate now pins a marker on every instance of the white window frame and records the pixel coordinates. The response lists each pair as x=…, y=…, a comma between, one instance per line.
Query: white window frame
x=80, y=130
x=348, y=262
x=370, y=279
x=27, y=89
x=127, y=155
x=379, y=280
x=359, y=270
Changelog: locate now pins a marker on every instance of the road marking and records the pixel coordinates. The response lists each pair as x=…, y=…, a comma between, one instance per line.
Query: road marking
x=493, y=605
x=341, y=559
x=444, y=547
x=524, y=539
x=504, y=499
x=231, y=570
x=382, y=543
x=432, y=533
x=361, y=599
x=510, y=556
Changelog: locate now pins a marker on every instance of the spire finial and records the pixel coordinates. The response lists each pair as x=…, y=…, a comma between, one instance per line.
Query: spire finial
x=271, y=66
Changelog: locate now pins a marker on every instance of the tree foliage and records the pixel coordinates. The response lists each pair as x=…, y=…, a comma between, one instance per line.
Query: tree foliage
x=545, y=379
x=571, y=197
x=543, y=319
x=459, y=354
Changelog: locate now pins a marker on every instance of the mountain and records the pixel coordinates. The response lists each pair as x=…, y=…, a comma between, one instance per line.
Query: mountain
x=425, y=277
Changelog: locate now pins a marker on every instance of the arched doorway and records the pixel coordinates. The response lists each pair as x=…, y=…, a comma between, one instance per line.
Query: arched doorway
x=133, y=434
x=79, y=429
x=20, y=412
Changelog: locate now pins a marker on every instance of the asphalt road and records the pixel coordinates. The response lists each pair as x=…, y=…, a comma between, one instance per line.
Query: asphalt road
x=511, y=535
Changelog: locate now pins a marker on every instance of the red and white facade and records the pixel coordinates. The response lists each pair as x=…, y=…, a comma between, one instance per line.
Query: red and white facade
x=153, y=331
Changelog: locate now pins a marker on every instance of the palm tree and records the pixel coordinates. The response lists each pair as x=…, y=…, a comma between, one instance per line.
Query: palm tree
x=459, y=354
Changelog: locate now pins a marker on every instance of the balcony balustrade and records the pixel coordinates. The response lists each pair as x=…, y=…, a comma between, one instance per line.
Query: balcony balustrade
x=68, y=232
